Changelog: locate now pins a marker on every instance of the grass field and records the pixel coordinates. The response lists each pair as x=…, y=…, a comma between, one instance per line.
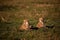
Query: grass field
x=14, y=12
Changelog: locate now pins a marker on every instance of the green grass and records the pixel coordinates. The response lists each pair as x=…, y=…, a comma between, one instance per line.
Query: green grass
x=11, y=32
x=16, y=11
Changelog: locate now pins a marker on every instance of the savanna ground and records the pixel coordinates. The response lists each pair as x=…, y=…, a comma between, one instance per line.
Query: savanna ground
x=15, y=11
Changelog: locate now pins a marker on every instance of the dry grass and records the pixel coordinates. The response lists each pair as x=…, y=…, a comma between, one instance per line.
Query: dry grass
x=16, y=11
